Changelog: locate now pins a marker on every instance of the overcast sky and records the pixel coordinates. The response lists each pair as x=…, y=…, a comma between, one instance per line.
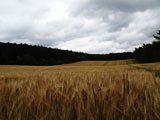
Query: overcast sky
x=92, y=26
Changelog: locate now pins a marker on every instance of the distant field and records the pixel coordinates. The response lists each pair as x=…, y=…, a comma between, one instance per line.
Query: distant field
x=87, y=90
x=101, y=63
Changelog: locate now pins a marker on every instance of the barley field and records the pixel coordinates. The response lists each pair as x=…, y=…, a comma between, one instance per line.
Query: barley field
x=87, y=90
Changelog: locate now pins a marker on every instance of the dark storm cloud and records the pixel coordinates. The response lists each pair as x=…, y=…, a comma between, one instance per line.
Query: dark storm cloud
x=94, y=26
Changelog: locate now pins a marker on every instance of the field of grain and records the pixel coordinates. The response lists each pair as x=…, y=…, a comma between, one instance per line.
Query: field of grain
x=101, y=63
x=89, y=90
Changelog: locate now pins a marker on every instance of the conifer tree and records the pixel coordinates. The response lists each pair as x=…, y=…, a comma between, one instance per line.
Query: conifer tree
x=157, y=37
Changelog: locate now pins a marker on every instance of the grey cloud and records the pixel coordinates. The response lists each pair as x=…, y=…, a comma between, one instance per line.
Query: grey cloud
x=122, y=10
x=116, y=5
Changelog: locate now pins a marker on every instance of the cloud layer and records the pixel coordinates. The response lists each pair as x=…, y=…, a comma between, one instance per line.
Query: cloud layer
x=93, y=26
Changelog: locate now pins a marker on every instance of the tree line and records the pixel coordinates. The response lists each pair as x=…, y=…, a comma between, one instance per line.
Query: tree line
x=149, y=52
x=23, y=54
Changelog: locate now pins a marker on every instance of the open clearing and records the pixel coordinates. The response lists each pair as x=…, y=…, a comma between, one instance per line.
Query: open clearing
x=87, y=90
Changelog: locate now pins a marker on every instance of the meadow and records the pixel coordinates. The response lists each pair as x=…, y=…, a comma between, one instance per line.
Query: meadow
x=87, y=90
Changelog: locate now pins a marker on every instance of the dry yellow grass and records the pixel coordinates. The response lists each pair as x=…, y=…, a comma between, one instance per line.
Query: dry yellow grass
x=80, y=92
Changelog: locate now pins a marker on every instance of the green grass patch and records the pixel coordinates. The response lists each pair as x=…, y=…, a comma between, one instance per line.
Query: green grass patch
x=156, y=72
